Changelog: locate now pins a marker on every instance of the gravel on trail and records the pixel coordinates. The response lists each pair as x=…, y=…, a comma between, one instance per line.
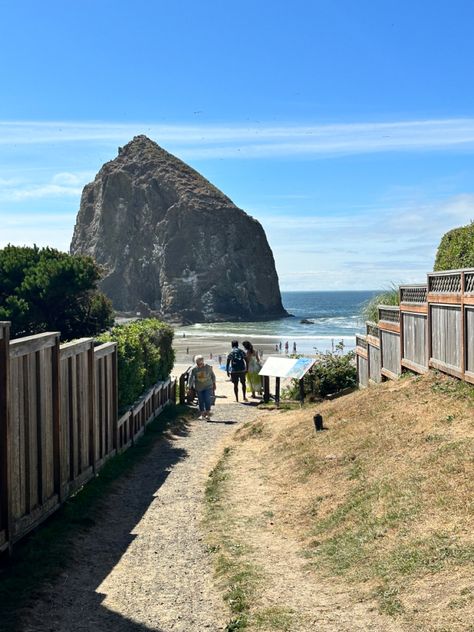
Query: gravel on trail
x=143, y=566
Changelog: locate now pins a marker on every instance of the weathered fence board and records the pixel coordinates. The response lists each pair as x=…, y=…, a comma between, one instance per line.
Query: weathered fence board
x=362, y=371
x=415, y=349
x=105, y=430
x=446, y=343
x=390, y=353
x=469, y=320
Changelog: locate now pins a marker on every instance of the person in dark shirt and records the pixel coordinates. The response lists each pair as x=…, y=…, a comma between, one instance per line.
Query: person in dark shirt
x=236, y=368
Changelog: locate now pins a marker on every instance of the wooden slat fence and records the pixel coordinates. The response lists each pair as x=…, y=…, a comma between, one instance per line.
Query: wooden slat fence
x=434, y=328
x=5, y=512
x=59, y=423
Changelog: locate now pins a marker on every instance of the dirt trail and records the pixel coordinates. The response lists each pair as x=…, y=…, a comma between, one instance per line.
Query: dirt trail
x=144, y=566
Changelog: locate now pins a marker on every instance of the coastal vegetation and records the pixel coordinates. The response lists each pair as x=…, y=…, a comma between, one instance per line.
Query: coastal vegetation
x=43, y=289
x=331, y=373
x=145, y=355
x=380, y=505
x=389, y=296
x=456, y=249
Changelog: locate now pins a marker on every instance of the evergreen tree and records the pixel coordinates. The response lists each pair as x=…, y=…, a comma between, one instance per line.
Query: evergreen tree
x=43, y=289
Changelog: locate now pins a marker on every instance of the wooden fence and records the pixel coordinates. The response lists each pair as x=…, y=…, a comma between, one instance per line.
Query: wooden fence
x=433, y=327
x=59, y=423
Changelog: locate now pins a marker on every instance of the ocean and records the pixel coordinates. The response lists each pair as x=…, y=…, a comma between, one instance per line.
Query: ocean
x=333, y=316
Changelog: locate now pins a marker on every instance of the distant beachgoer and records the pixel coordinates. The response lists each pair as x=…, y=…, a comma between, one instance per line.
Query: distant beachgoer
x=294, y=347
x=236, y=369
x=220, y=360
x=286, y=347
x=187, y=350
x=203, y=381
x=279, y=345
x=276, y=348
x=210, y=356
x=254, y=381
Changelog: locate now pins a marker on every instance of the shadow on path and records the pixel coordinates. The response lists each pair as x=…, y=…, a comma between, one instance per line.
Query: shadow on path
x=95, y=543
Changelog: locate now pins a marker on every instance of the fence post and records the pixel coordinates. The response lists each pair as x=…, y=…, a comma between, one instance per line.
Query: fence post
x=5, y=499
x=115, y=396
x=56, y=397
x=181, y=389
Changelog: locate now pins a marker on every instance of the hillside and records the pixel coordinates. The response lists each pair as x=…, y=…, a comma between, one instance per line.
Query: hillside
x=366, y=526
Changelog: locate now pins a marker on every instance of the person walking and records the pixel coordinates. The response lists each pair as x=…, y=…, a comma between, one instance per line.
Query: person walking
x=236, y=369
x=254, y=365
x=203, y=381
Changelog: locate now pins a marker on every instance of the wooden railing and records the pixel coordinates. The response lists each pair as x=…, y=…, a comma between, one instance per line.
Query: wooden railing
x=59, y=423
x=432, y=328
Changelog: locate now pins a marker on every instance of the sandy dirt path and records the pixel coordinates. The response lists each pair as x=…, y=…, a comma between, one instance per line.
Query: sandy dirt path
x=144, y=565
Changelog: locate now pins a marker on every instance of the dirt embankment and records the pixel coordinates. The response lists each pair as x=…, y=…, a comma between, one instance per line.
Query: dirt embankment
x=367, y=525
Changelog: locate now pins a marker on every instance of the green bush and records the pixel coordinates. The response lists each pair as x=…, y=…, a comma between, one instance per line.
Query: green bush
x=43, y=289
x=456, y=249
x=145, y=355
x=331, y=373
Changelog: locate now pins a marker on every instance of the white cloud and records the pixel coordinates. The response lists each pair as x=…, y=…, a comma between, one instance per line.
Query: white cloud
x=62, y=184
x=390, y=243
x=256, y=141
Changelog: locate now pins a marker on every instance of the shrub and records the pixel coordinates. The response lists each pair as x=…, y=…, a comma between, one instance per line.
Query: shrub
x=43, y=289
x=456, y=249
x=331, y=373
x=145, y=355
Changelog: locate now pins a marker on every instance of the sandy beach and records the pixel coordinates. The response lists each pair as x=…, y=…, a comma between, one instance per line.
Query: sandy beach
x=211, y=347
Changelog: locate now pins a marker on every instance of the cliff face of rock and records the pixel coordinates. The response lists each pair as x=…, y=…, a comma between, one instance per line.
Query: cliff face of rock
x=171, y=240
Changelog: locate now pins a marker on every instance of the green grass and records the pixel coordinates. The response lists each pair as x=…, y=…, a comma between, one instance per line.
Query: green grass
x=45, y=553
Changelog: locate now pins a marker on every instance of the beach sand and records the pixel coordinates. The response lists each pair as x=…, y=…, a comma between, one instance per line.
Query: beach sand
x=188, y=346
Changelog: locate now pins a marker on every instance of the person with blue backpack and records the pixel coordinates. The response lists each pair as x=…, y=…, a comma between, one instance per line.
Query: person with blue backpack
x=236, y=368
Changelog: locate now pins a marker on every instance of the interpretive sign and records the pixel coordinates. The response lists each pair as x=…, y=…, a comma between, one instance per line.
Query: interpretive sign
x=287, y=367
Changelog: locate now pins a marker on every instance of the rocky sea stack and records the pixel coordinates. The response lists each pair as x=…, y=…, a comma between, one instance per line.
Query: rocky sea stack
x=172, y=243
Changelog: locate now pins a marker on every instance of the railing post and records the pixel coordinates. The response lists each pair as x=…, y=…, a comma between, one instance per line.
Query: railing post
x=57, y=432
x=181, y=389
x=5, y=455
x=115, y=397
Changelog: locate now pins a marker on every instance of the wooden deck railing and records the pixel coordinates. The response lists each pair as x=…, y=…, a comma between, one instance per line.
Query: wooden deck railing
x=59, y=423
x=432, y=328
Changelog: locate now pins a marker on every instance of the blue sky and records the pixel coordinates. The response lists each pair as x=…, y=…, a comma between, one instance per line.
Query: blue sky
x=345, y=127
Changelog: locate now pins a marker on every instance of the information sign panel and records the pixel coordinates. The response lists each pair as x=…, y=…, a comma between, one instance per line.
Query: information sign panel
x=287, y=367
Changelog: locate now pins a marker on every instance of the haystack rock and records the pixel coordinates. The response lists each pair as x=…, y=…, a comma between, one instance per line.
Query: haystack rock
x=173, y=242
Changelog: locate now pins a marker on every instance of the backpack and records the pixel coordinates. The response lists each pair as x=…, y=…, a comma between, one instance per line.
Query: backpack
x=237, y=361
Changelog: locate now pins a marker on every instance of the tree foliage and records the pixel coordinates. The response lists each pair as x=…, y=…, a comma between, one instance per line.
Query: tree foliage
x=456, y=249
x=145, y=355
x=43, y=289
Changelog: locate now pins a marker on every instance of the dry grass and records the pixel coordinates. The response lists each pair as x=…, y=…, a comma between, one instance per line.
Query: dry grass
x=384, y=498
